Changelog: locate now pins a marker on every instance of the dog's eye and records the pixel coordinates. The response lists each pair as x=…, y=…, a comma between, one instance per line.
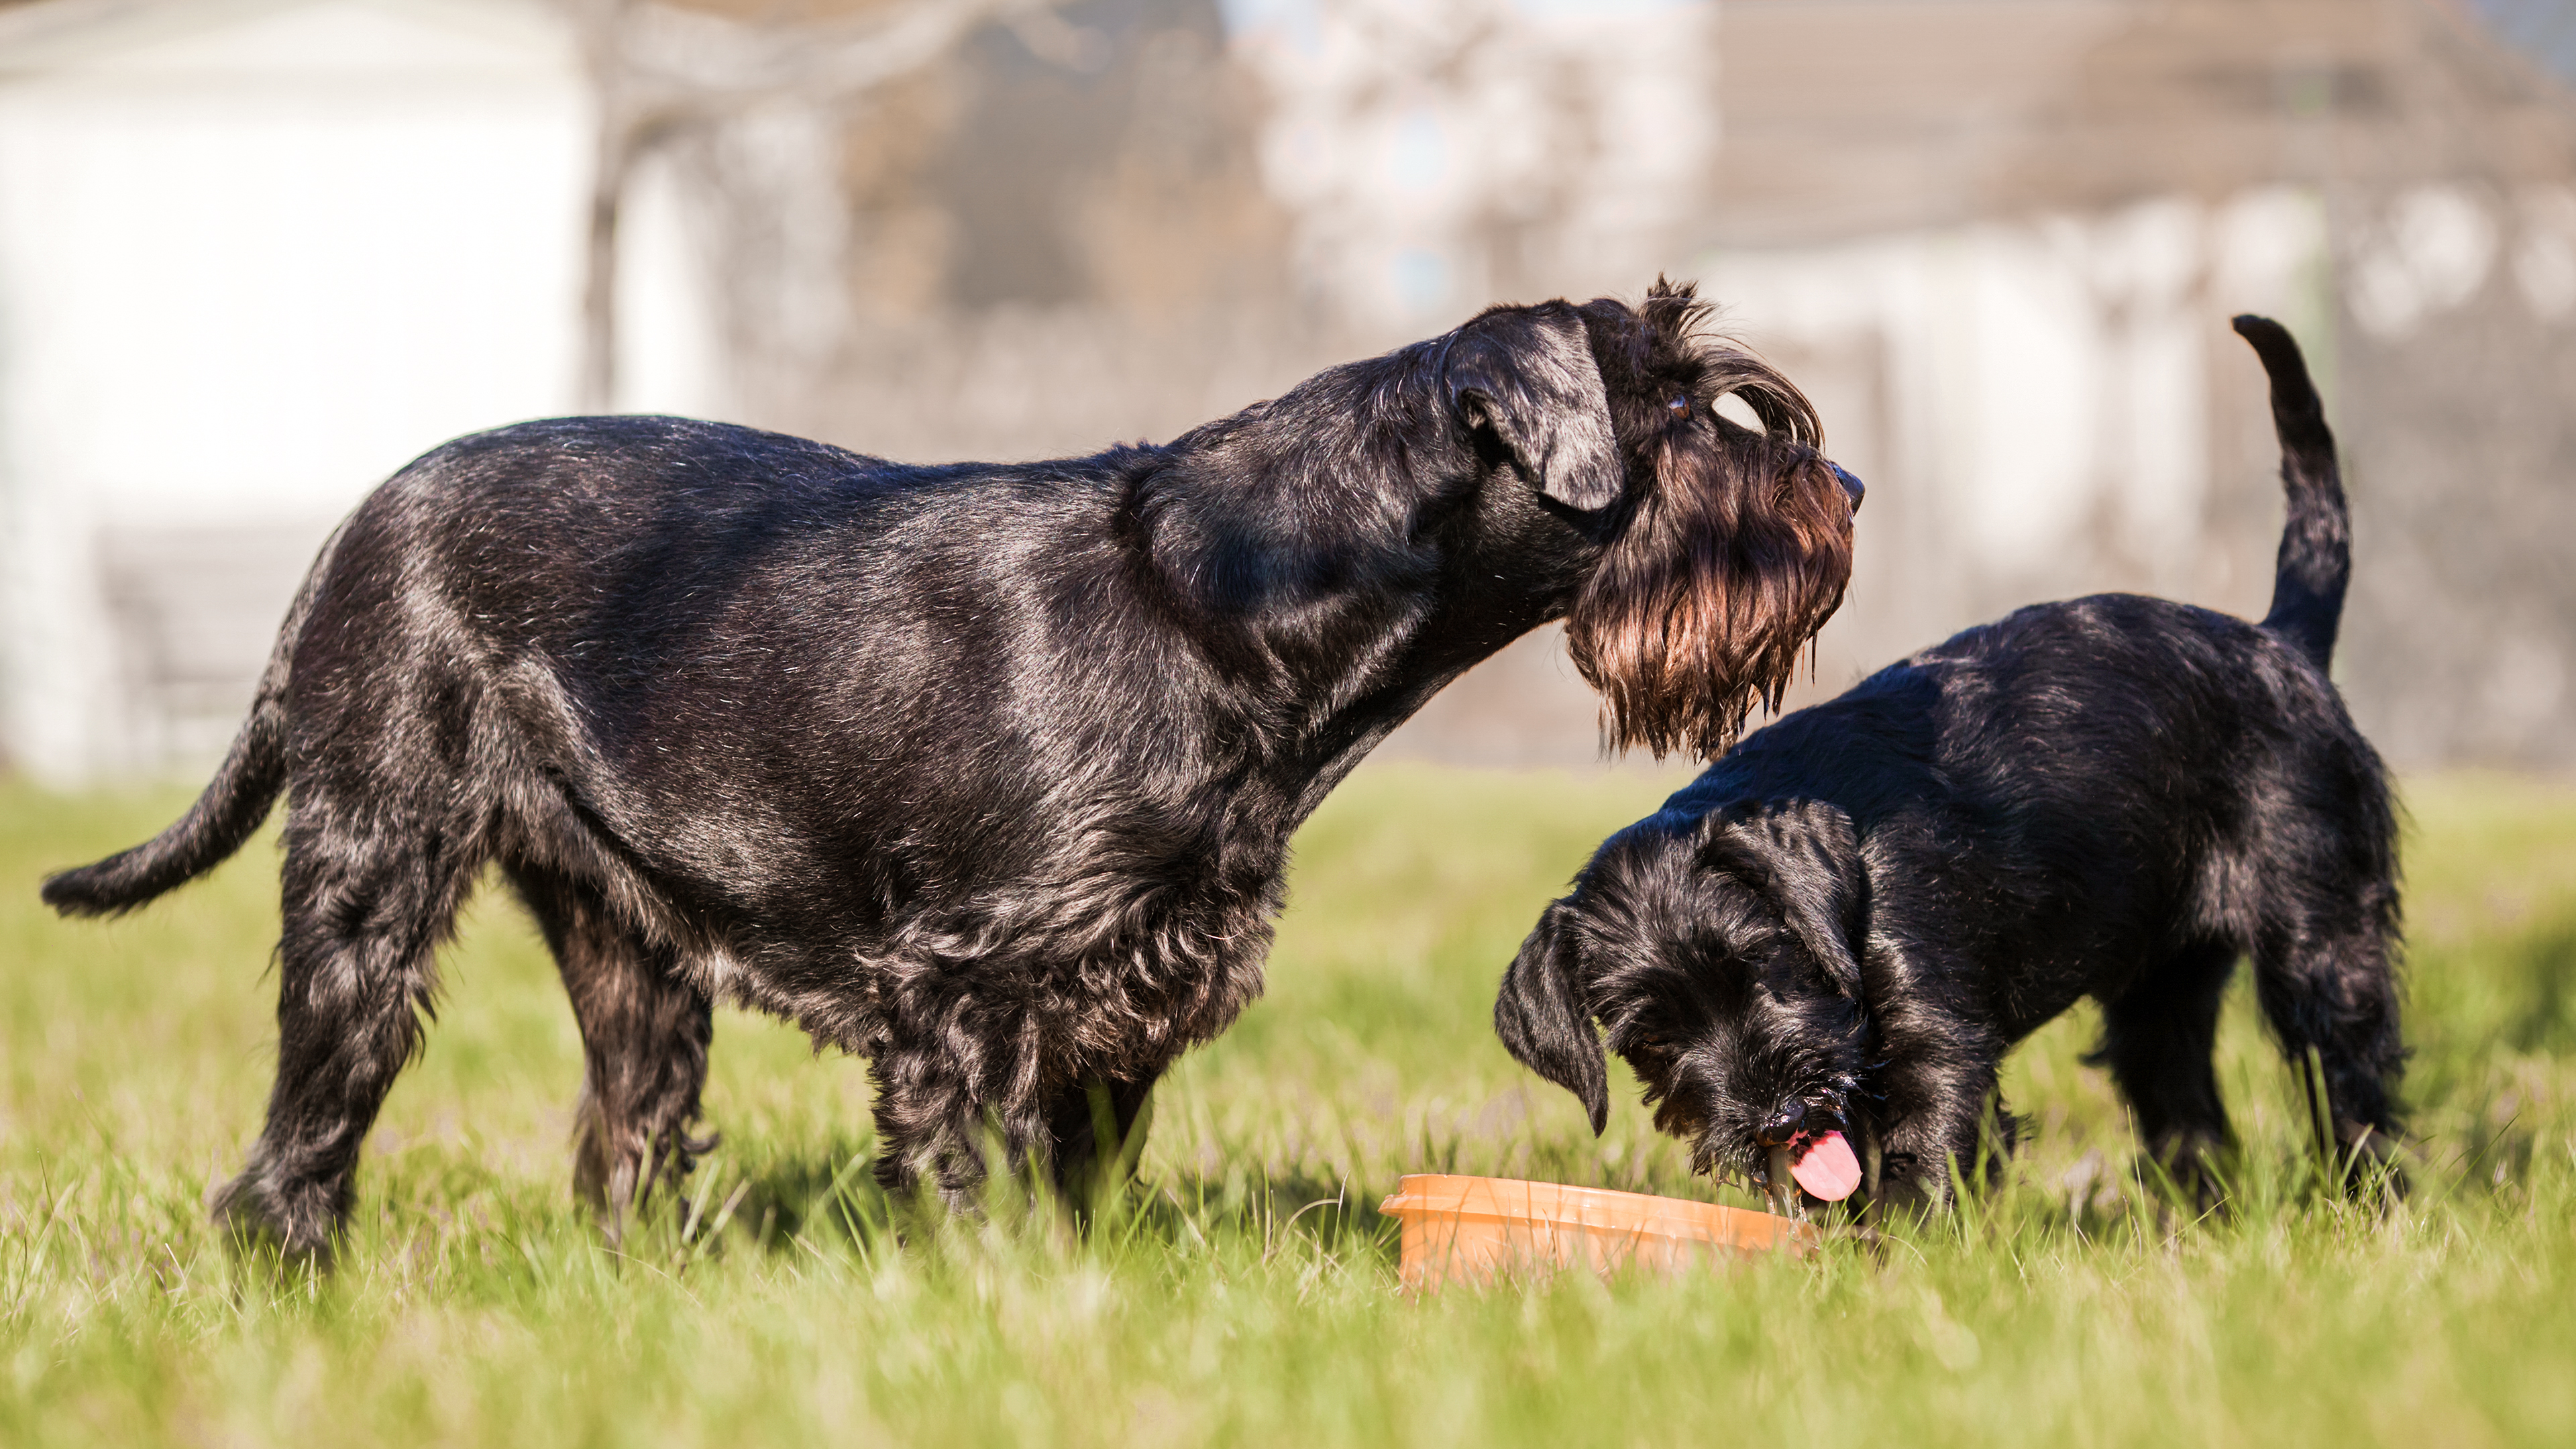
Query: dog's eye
x=1680, y=405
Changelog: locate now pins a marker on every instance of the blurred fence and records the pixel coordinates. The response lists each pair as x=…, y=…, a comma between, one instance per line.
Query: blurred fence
x=1998, y=240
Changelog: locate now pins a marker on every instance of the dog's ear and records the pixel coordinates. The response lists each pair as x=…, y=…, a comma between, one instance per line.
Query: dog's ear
x=1542, y=1018
x=1527, y=376
x=1804, y=857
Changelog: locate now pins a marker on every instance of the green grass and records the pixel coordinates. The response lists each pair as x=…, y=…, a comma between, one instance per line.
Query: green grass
x=475, y=1305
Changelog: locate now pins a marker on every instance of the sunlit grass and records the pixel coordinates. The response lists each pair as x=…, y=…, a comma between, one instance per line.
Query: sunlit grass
x=475, y=1305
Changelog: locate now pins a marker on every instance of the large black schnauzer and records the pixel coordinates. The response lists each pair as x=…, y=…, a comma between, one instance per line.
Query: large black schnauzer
x=985, y=772
x=1849, y=919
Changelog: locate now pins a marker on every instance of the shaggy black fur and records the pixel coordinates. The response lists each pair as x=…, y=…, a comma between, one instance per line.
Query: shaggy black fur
x=1850, y=918
x=985, y=772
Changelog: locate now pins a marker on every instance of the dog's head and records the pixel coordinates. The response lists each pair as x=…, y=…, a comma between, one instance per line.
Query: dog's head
x=1720, y=961
x=1722, y=549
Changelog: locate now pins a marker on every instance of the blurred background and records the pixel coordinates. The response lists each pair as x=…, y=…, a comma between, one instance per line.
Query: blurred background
x=256, y=254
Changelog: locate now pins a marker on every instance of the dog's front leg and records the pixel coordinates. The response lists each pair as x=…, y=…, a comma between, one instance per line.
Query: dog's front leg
x=938, y=1130
x=1932, y=1132
x=1096, y=1132
x=1873, y=1167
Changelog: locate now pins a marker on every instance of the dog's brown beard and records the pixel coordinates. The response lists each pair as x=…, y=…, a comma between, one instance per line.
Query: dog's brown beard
x=1701, y=606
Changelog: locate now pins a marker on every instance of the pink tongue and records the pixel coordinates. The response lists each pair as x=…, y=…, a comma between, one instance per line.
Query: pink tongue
x=1827, y=1168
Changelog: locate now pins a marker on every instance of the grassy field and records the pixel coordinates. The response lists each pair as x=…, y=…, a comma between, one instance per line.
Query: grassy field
x=1250, y=1296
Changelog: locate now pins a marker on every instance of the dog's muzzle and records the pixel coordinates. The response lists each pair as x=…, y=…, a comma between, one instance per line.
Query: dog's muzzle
x=1784, y=1127
x=1797, y=1119
x=1853, y=488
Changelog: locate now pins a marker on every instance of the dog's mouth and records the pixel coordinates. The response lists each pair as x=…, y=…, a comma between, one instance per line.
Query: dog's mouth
x=1823, y=1165
x=1804, y=1148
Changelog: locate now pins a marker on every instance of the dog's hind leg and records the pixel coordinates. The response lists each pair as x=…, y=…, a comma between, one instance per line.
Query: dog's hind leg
x=2157, y=1039
x=645, y=1029
x=2325, y=982
x=370, y=891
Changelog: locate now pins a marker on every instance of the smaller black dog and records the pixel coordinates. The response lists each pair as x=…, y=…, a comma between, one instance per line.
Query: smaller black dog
x=1849, y=919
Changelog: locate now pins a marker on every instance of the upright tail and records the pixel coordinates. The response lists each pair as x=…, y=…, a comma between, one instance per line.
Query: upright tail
x=2316, y=539
x=225, y=815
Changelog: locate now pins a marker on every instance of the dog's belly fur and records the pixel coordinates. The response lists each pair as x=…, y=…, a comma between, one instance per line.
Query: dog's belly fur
x=2036, y=842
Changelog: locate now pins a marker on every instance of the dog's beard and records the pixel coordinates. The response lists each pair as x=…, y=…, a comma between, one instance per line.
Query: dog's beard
x=1701, y=607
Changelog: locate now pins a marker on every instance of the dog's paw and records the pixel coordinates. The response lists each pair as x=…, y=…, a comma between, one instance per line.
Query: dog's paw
x=2374, y=1165
x=257, y=1214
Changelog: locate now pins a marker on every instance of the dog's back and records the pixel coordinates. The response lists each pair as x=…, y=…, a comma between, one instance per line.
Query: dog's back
x=2119, y=772
x=569, y=595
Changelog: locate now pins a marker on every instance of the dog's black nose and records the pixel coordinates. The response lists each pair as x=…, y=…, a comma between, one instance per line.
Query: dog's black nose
x=1851, y=485
x=1784, y=1128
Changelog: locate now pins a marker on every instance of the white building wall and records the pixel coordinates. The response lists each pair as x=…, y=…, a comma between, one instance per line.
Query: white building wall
x=1436, y=155
x=254, y=256
x=2041, y=398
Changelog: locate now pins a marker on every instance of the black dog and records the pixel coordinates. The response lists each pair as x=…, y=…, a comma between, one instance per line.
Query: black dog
x=984, y=772
x=1849, y=919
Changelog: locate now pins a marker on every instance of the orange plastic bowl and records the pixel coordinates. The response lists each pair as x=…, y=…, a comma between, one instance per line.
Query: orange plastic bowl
x=1471, y=1228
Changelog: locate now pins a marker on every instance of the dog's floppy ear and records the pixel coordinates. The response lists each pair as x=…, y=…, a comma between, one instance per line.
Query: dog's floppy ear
x=1543, y=1021
x=1804, y=857
x=1527, y=375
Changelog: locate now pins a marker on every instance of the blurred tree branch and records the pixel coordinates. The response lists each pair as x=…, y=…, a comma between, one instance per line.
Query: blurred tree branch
x=658, y=70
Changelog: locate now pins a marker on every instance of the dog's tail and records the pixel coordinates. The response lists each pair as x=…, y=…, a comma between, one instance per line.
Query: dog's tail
x=225, y=815
x=2316, y=539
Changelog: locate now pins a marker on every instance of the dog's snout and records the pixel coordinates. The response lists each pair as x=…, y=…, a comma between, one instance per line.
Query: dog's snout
x=1853, y=488
x=1784, y=1126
